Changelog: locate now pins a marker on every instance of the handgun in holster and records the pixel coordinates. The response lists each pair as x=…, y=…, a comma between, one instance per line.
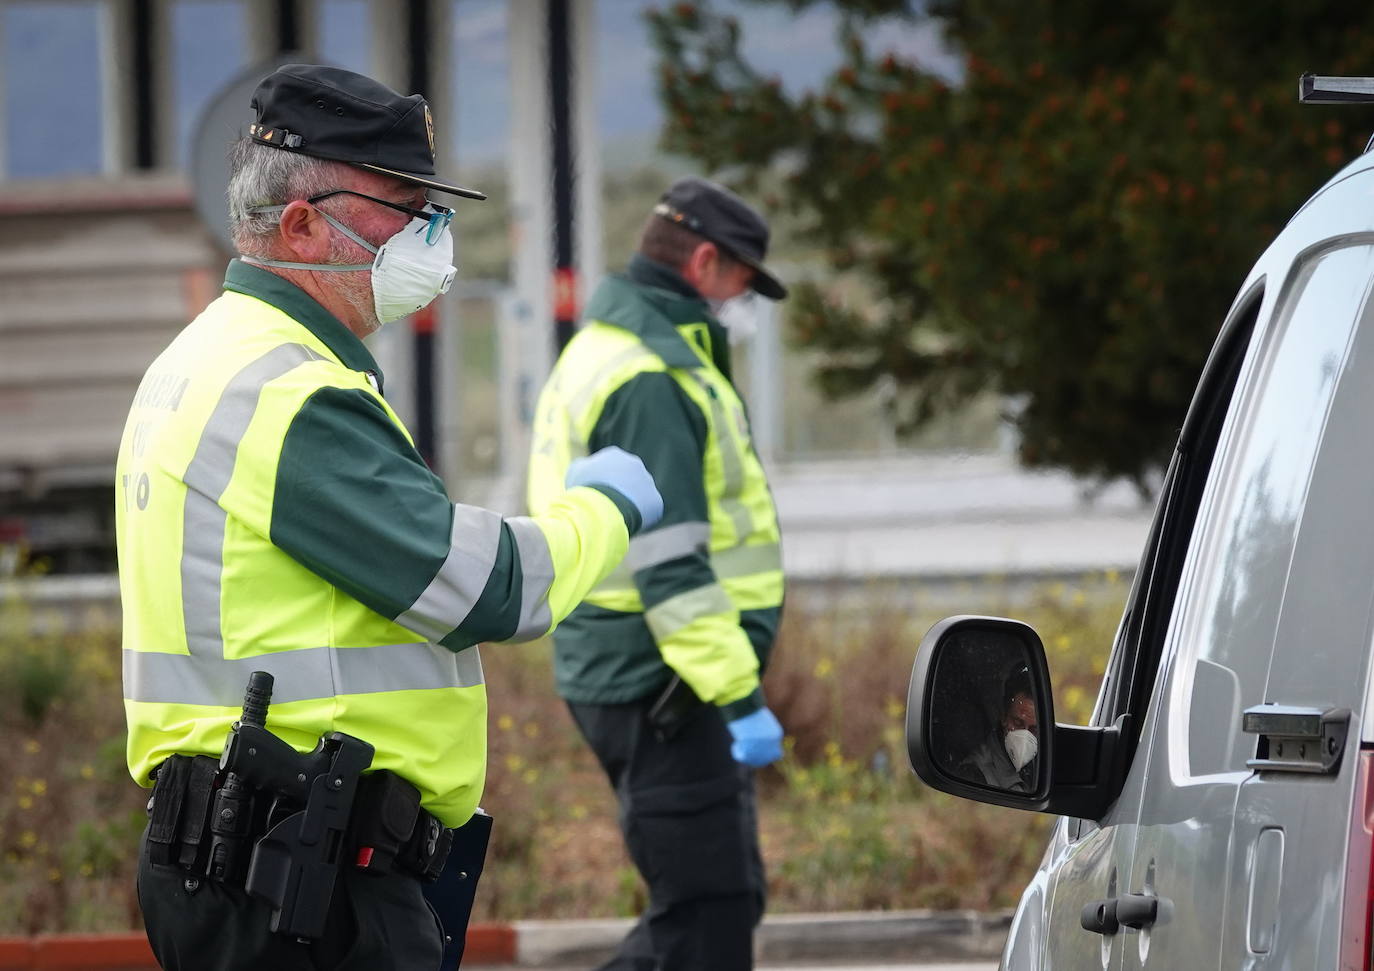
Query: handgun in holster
x=302, y=799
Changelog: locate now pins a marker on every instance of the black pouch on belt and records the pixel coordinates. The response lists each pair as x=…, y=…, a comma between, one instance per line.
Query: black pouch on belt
x=385, y=811
x=200, y=787
x=180, y=806
x=169, y=791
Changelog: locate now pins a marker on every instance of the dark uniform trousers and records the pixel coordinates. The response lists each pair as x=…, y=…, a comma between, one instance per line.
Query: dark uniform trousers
x=375, y=922
x=688, y=815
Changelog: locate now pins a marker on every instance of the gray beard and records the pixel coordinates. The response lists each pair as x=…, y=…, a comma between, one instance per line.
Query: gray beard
x=355, y=288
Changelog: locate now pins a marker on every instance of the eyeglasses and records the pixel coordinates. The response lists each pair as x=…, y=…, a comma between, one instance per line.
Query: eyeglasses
x=438, y=216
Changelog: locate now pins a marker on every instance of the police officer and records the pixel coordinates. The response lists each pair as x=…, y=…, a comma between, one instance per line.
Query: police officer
x=660, y=665
x=273, y=514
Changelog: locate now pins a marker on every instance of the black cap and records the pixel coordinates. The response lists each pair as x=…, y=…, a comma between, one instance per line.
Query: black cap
x=330, y=113
x=717, y=214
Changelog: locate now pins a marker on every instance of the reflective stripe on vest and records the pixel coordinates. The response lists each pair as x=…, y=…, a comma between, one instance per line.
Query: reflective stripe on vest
x=536, y=567
x=729, y=564
x=580, y=399
x=306, y=674
x=668, y=543
x=206, y=478
x=455, y=589
x=667, y=618
x=732, y=465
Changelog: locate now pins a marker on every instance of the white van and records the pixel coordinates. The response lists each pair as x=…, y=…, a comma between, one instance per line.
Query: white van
x=1217, y=812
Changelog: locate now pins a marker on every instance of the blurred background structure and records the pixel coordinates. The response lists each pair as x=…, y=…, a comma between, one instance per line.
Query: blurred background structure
x=554, y=107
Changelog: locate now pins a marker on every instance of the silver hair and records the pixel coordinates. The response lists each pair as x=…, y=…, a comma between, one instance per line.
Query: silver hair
x=260, y=175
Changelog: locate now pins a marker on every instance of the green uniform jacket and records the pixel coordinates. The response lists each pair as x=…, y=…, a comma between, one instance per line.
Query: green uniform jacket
x=701, y=593
x=273, y=514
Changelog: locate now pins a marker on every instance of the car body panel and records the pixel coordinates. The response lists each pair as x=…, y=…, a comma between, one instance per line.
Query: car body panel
x=1274, y=606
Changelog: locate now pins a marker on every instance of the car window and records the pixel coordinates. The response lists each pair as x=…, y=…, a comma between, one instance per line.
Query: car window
x=1226, y=632
x=1140, y=638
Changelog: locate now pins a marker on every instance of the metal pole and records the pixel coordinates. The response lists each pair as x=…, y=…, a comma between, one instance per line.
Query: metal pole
x=765, y=385
x=288, y=26
x=423, y=323
x=525, y=348
x=565, y=305
x=587, y=144
x=143, y=33
x=277, y=27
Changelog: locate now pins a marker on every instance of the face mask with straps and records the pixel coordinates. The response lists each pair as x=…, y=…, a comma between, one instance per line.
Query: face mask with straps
x=409, y=270
x=739, y=315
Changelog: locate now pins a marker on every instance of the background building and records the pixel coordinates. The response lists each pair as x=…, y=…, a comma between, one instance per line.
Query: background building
x=103, y=256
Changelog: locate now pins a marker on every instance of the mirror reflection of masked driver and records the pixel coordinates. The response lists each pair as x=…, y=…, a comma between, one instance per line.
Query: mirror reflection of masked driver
x=1005, y=758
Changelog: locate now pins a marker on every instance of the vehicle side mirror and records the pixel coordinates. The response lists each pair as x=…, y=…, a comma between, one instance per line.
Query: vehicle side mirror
x=980, y=724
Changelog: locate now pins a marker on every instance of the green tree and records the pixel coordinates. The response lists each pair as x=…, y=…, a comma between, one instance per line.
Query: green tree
x=1065, y=225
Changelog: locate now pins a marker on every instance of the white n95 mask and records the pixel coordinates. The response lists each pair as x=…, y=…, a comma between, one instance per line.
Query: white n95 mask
x=1022, y=746
x=739, y=316
x=409, y=270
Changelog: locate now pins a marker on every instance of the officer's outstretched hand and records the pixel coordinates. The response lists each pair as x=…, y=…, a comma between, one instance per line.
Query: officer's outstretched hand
x=757, y=738
x=617, y=469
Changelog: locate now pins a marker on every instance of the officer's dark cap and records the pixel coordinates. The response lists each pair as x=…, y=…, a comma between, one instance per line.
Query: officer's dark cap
x=330, y=113
x=718, y=215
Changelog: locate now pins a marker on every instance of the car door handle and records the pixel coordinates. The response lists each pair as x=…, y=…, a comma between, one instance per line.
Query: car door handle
x=1137, y=910
x=1100, y=917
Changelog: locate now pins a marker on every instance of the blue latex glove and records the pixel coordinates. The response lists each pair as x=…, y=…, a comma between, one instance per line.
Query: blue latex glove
x=625, y=473
x=758, y=738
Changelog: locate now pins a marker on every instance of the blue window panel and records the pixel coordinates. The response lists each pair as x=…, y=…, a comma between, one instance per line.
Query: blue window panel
x=481, y=83
x=50, y=66
x=209, y=49
x=627, y=84
x=344, y=34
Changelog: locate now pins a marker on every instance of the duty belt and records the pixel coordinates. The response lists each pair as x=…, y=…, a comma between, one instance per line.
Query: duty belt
x=387, y=832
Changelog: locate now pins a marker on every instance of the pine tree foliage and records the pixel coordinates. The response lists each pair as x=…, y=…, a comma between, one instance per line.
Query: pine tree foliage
x=1066, y=225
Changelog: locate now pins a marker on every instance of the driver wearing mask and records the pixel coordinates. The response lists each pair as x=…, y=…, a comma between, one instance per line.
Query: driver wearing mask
x=1004, y=760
